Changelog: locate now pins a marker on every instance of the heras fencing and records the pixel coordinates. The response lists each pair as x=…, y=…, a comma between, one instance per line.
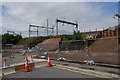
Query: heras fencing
x=75, y=44
x=71, y=45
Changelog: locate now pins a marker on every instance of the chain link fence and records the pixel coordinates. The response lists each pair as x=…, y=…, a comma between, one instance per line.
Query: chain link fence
x=75, y=44
x=71, y=45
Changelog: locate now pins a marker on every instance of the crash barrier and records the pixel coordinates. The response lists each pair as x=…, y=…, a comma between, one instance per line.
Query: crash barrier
x=27, y=66
x=8, y=70
x=21, y=67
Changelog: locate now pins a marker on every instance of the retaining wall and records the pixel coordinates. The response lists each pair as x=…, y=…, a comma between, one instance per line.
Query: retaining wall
x=103, y=50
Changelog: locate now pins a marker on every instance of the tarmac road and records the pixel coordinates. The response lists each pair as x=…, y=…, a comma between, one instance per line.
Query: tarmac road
x=18, y=58
x=51, y=72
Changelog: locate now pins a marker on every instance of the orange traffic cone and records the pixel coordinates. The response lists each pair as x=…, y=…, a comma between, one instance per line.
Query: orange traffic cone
x=26, y=65
x=49, y=64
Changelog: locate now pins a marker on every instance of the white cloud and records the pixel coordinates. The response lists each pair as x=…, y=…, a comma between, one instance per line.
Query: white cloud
x=19, y=15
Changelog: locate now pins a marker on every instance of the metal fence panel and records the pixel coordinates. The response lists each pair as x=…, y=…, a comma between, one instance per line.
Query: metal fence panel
x=71, y=45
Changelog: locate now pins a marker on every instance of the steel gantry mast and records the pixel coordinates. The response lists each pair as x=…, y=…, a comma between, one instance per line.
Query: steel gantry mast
x=37, y=29
x=67, y=22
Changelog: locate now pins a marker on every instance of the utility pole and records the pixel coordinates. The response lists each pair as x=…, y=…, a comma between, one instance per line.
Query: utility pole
x=96, y=29
x=37, y=31
x=47, y=27
x=76, y=26
x=20, y=33
x=53, y=29
x=56, y=27
x=29, y=31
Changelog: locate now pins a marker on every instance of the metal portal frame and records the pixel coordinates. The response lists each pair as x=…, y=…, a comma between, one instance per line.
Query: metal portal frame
x=13, y=32
x=67, y=22
x=30, y=26
x=37, y=29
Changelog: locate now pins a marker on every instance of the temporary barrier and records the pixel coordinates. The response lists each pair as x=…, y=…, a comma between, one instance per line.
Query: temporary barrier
x=4, y=64
x=31, y=60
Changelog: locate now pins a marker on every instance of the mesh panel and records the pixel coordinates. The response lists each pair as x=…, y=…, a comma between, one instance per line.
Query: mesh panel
x=71, y=45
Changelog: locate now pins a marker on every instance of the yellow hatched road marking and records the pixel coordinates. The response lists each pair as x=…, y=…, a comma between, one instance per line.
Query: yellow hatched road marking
x=91, y=74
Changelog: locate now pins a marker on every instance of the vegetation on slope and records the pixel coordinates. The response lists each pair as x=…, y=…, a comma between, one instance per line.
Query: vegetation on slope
x=18, y=40
x=26, y=41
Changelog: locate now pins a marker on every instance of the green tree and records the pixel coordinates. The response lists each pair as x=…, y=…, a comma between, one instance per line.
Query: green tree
x=10, y=39
x=17, y=38
x=77, y=36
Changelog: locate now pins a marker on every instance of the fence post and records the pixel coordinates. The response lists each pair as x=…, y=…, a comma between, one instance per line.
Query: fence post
x=112, y=33
x=87, y=50
x=102, y=34
x=118, y=31
x=118, y=39
x=115, y=31
x=105, y=34
x=117, y=34
x=108, y=31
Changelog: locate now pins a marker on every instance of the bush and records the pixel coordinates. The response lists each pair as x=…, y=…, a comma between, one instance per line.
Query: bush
x=10, y=39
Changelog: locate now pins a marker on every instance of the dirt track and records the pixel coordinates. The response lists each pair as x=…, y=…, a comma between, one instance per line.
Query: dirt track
x=50, y=44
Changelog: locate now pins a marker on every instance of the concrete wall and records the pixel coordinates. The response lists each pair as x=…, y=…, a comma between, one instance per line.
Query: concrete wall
x=105, y=51
x=101, y=51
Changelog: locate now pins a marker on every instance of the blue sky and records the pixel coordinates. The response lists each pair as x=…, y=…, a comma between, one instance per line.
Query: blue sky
x=90, y=15
x=108, y=7
x=4, y=9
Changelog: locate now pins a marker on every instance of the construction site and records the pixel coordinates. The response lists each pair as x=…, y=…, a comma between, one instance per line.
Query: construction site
x=91, y=55
x=95, y=51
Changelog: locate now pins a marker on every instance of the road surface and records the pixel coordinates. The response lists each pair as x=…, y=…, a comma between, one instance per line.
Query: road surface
x=52, y=72
x=18, y=58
